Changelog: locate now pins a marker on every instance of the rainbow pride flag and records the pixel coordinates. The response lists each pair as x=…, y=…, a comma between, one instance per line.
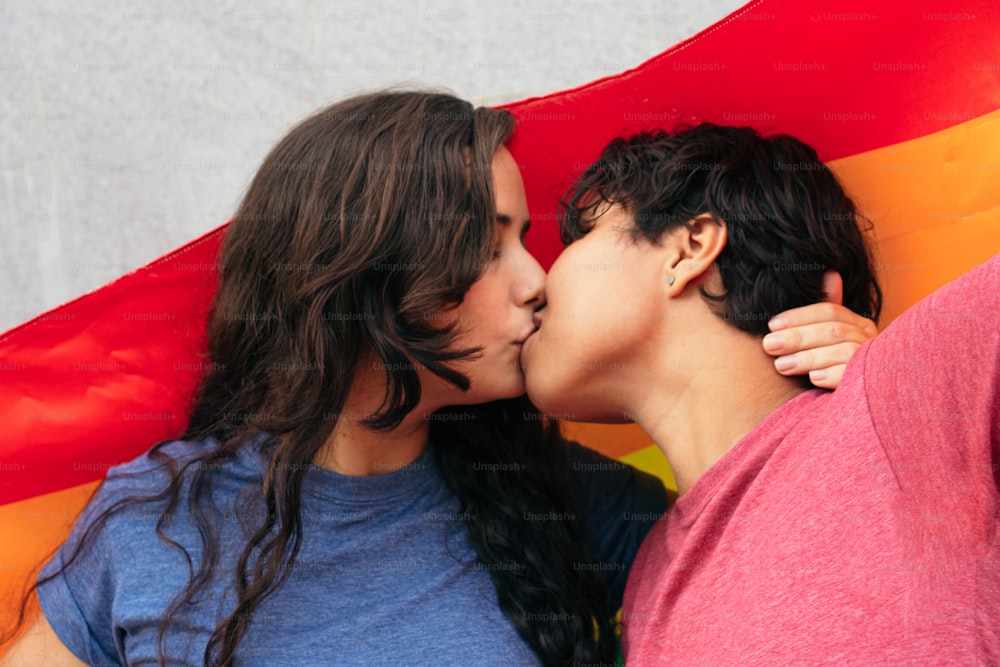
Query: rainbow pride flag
x=901, y=98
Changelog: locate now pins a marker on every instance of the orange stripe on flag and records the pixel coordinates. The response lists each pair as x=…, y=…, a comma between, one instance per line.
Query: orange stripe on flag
x=934, y=204
x=30, y=530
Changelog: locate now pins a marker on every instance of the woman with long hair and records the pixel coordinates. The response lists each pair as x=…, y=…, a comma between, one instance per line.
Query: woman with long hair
x=362, y=480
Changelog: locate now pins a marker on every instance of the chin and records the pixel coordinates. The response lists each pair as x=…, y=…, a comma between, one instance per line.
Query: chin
x=546, y=398
x=497, y=392
x=565, y=403
x=513, y=392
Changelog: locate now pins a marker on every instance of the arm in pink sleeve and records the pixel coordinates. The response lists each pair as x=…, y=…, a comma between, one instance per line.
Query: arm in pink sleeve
x=933, y=385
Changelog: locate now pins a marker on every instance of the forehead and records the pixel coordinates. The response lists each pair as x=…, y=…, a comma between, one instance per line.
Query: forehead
x=508, y=186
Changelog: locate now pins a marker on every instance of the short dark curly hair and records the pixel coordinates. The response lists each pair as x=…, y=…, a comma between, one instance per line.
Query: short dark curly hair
x=788, y=219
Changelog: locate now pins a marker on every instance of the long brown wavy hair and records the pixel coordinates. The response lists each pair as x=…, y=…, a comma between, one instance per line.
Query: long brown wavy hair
x=399, y=180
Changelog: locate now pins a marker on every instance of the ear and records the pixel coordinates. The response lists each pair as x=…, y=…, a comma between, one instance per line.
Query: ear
x=833, y=288
x=693, y=251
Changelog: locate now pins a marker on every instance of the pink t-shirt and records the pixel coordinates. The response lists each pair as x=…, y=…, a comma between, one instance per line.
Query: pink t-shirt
x=858, y=527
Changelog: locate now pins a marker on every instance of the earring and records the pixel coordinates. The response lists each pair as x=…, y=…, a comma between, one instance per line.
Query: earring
x=671, y=280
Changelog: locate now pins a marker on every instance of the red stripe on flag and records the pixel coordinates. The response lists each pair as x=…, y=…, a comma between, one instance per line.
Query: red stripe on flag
x=846, y=77
x=98, y=380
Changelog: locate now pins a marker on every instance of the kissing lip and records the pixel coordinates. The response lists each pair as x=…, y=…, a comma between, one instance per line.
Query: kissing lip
x=536, y=322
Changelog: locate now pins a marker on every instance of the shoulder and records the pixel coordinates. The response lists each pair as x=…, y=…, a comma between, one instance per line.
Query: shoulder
x=155, y=485
x=146, y=517
x=932, y=388
x=150, y=472
x=145, y=476
x=160, y=459
x=916, y=359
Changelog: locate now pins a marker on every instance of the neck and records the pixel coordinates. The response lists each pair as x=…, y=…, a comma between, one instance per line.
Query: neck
x=354, y=449
x=721, y=386
x=357, y=450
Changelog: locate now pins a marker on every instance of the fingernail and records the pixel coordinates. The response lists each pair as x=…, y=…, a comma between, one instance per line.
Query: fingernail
x=786, y=363
x=817, y=376
x=778, y=323
x=774, y=342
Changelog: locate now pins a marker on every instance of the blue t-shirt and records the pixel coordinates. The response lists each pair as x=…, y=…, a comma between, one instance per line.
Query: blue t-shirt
x=385, y=574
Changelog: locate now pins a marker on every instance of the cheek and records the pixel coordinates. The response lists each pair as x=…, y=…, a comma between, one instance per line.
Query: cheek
x=596, y=315
x=484, y=322
x=586, y=299
x=475, y=306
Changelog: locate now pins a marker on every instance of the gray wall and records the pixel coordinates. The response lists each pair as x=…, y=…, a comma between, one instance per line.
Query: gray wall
x=126, y=129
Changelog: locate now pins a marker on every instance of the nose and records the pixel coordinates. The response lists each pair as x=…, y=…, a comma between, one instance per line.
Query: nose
x=530, y=283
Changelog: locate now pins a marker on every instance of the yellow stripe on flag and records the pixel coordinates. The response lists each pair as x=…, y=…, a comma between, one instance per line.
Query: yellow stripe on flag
x=651, y=459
